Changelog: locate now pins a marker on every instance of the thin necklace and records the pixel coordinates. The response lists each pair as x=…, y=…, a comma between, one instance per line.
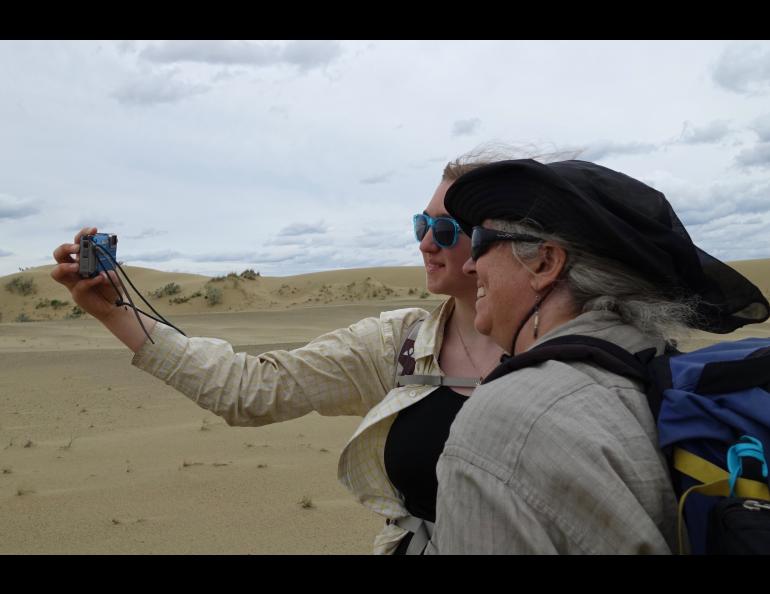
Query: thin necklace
x=467, y=352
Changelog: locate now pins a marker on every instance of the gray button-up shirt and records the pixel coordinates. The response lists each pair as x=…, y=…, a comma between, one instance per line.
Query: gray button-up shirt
x=557, y=458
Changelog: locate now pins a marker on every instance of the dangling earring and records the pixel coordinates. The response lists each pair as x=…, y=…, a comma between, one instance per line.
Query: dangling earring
x=537, y=315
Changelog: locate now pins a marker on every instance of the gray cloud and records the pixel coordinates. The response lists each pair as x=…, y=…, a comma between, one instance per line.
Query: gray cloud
x=144, y=234
x=308, y=54
x=603, y=149
x=428, y=162
x=304, y=229
x=762, y=127
x=708, y=134
x=164, y=256
x=743, y=69
x=378, y=179
x=246, y=256
x=4, y=253
x=465, y=127
x=280, y=110
x=384, y=240
x=305, y=54
x=14, y=208
x=710, y=206
x=157, y=88
x=224, y=257
x=102, y=224
x=757, y=156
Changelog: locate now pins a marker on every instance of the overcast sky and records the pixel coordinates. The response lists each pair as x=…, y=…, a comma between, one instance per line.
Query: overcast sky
x=301, y=156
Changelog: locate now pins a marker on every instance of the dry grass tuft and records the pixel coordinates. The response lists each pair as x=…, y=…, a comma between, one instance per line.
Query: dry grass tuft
x=68, y=445
x=306, y=502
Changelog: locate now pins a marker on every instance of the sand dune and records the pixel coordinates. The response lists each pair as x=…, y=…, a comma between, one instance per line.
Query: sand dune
x=98, y=457
x=32, y=295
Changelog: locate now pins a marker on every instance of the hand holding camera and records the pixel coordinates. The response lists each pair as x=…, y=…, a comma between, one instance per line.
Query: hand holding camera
x=91, y=291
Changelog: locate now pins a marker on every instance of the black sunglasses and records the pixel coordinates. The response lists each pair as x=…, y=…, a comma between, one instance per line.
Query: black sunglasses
x=445, y=229
x=482, y=239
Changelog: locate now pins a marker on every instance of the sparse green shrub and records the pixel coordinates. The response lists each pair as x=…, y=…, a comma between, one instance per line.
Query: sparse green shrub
x=178, y=300
x=249, y=274
x=22, y=285
x=217, y=279
x=213, y=295
x=167, y=290
x=54, y=303
x=424, y=295
x=76, y=313
x=22, y=317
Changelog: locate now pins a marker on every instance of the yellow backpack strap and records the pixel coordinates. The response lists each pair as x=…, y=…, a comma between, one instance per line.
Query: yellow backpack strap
x=715, y=482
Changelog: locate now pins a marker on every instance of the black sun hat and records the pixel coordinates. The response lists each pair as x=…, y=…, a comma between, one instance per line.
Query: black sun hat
x=615, y=216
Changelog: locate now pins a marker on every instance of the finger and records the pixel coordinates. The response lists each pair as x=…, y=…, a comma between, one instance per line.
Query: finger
x=63, y=253
x=84, y=231
x=85, y=285
x=66, y=273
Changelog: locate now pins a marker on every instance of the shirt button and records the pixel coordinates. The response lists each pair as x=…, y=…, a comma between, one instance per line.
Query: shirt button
x=413, y=394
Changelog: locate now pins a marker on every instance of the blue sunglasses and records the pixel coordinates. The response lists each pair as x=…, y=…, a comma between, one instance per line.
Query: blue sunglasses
x=445, y=229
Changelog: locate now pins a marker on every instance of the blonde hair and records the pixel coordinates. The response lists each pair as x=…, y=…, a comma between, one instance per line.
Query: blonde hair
x=492, y=152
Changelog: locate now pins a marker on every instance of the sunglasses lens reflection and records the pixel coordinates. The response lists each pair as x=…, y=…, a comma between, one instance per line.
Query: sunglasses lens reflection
x=420, y=227
x=444, y=232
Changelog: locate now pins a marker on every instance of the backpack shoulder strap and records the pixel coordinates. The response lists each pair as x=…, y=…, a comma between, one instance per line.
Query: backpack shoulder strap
x=653, y=371
x=575, y=347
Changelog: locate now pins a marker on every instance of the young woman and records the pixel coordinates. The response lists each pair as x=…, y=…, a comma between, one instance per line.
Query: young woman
x=389, y=463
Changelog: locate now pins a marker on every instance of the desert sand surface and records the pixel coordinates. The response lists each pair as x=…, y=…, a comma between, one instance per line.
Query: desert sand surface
x=97, y=457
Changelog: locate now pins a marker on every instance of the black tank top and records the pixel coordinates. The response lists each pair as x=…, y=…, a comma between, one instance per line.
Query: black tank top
x=415, y=442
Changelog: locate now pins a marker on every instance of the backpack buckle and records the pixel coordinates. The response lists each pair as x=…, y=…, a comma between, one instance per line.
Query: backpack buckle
x=747, y=447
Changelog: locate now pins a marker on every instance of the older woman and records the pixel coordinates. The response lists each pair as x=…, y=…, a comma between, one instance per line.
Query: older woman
x=561, y=457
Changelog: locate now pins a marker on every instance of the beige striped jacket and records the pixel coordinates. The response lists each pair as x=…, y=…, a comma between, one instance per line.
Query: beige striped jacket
x=350, y=371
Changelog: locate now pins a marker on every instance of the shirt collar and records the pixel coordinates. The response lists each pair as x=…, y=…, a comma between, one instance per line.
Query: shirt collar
x=431, y=334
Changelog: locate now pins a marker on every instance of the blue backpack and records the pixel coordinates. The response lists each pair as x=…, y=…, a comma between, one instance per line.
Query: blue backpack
x=712, y=408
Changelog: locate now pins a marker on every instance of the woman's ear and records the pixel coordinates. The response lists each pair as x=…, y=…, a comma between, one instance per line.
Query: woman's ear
x=549, y=265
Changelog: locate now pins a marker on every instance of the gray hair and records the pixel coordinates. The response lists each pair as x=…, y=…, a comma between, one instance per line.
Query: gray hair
x=596, y=283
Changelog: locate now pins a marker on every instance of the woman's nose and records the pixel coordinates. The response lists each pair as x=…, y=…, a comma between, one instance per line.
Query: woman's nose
x=427, y=244
x=469, y=267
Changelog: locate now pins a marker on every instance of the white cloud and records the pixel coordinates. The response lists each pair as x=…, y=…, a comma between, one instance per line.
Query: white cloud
x=243, y=139
x=606, y=148
x=3, y=253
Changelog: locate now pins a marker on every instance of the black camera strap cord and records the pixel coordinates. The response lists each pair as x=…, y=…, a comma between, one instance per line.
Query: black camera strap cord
x=125, y=292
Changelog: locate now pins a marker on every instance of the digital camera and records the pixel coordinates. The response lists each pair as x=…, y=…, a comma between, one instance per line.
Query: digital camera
x=92, y=259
